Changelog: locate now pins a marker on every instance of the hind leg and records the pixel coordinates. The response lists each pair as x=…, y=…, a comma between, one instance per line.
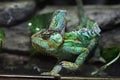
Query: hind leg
x=82, y=54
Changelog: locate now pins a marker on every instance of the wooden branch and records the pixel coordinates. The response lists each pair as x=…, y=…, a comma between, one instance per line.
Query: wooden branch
x=25, y=77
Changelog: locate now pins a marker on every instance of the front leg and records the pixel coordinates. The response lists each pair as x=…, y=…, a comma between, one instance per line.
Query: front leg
x=54, y=72
x=69, y=65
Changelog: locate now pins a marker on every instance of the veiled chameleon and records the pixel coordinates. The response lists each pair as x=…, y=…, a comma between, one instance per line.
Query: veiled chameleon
x=63, y=45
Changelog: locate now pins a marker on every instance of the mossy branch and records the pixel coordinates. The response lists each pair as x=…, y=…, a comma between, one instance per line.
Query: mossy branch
x=81, y=12
x=106, y=65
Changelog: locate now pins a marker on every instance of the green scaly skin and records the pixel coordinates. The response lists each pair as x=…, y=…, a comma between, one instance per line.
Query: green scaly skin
x=64, y=45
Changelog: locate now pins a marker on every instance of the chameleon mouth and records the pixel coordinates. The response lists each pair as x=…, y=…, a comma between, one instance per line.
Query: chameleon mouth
x=41, y=50
x=36, y=42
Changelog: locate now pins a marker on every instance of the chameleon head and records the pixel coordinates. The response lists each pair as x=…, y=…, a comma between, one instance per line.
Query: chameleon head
x=49, y=45
x=38, y=43
x=49, y=39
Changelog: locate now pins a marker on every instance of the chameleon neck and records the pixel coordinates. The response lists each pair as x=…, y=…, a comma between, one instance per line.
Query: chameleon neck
x=81, y=13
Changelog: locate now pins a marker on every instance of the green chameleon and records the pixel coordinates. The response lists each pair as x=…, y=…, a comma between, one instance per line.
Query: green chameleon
x=71, y=48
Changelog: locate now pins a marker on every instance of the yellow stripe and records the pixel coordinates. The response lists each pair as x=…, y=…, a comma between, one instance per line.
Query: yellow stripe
x=50, y=44
x=73, y=41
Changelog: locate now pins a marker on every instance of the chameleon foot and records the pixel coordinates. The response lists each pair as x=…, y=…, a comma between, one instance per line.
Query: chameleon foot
x=50, y=74
x=69, y=65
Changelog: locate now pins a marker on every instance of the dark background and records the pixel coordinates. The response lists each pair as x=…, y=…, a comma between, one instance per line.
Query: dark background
x=72, y=2
x=87, y=2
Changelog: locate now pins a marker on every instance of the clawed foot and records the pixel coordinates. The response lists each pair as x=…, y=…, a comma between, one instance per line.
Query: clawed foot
x=50, y=74
x=69, y=65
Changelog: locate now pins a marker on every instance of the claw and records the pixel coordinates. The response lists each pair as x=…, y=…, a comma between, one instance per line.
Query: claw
x=65, y=64
x=69, y=65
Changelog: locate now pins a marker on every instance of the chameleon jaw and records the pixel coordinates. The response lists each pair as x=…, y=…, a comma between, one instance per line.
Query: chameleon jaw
x=43, y=46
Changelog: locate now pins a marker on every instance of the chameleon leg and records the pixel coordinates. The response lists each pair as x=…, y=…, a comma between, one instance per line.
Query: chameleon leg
x=54, y=72
x=83, y=52
x=69, y=65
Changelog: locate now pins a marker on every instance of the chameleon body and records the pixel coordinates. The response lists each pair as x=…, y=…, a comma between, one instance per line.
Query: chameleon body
x=71, y=48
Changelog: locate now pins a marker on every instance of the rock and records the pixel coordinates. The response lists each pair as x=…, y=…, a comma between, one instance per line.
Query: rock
x=110, y=38
x=107, y=19
x=13, y=59
x=15, y=11
x=17, y=38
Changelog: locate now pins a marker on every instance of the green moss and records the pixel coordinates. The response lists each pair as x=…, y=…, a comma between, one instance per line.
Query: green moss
x=2, y=35
x=110, y=53
x=39, y=22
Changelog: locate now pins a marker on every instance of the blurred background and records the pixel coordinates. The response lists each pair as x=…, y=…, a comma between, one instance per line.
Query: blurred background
x=86, y=2
x=16, y=49
x=72, y=2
